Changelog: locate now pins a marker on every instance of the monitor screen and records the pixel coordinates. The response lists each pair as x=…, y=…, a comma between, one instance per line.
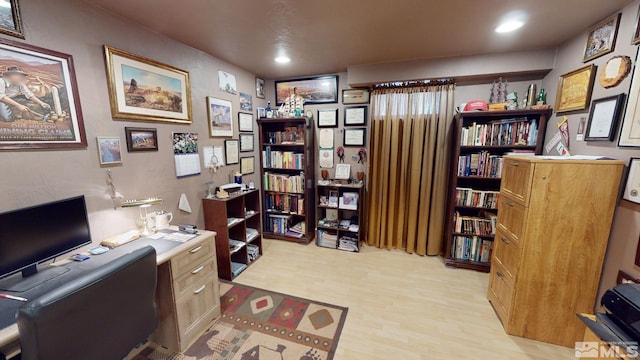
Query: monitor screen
x=39, y=233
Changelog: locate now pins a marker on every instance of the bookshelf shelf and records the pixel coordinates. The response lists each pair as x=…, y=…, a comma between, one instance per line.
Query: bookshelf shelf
x=336, y=236
x=480, y=141
x=287, y=166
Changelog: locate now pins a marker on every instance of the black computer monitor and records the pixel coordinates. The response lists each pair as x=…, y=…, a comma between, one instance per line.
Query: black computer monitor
x=32, y=235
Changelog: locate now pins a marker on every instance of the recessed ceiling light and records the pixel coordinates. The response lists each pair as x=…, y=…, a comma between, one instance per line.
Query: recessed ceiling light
x=282, y=59
x=509, y=26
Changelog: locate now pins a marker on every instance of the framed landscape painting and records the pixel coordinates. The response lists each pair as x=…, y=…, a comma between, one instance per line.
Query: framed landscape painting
x=44, y=111
x=220, y=123
x=574, y=89
x=141, y=139
x=602, y=38
x=144, y=89
x=10, y=19
x=317, y=90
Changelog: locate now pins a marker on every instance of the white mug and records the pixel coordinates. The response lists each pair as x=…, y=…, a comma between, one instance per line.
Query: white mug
x=161, y=219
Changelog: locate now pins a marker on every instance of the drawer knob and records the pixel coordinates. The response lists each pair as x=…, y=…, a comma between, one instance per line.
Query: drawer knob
x=515, y=163
x=199, y=290
x=510, y=203
x=198, y=269
x=499, y=274
x=195, y=249
x=504, y=240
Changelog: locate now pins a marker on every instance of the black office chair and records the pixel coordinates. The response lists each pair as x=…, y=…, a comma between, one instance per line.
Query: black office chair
x=101, y=316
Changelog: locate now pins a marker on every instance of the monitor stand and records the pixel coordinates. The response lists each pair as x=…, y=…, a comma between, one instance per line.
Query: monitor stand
x=18, y=283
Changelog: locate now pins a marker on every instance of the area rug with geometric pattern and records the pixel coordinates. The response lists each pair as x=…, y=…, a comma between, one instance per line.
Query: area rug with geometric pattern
x=258, y=324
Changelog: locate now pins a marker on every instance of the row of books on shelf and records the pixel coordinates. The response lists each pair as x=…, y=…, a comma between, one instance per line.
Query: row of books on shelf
x=279, y=224
x=293, y=204
x=471, y=248
x=483, y=225
x=480, y=164
x=283, y=183
x=517, y=131
x=330, y=239
x=477, y=198
x=290, y=135
x=282, y=159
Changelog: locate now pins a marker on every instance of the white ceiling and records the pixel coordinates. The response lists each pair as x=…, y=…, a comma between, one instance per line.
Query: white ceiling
x=326, y=36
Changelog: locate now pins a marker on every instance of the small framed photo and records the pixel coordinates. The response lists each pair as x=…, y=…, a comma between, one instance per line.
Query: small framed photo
x=246, y=142
x=259, y=88
x=11, y=23
x=220, y=116
x=327, y=118
x=601, y=39
x=624, y=278
x=632, y=188
x=109, y=150
x=247, y=165
x=141, y=139
x=245, y=122
x=246, y=102
x=603, y=118
x=355, y=115
x=355, y=136
x=355, y=96
x=231, y=151
x=343, y=172
x=261, y=112
x=636, y=31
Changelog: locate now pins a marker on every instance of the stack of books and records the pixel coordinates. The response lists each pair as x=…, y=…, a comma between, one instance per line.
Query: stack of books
x=232, y=221
x=471, y=248
x=293, y=204
x=507, y=132
x=297, y=230
x=237, y=268
x=277, y=224
x=327, y=239
x=235, y=245
x=348, y=243
x=283, y=183
x=290, y=135
x=251, y=234
x=253, y=251
x=282, y=159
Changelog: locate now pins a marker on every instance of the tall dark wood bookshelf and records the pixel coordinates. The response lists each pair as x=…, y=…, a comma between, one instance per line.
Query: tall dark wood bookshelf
x=493, y=134
x=292, y=141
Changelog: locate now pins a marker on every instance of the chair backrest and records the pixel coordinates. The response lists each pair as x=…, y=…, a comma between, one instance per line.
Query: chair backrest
x=100, y=316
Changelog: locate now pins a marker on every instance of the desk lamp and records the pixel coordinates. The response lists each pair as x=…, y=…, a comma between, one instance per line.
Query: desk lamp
x=145, y=230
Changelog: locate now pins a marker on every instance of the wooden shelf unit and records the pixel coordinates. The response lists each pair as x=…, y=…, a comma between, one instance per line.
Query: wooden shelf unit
x=356, y=216
x=244, y=206
x=481, y=183
x=304, y=145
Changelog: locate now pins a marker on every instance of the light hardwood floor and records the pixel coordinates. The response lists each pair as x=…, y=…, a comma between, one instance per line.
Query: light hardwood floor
x=401, y=306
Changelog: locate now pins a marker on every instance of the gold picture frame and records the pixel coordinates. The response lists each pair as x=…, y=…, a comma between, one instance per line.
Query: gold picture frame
x=601, y=38
x=162, y=92
x=574, y=89
x=12, y=25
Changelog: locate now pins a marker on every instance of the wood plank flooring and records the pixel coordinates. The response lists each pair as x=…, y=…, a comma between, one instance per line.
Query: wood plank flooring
x=401, y=306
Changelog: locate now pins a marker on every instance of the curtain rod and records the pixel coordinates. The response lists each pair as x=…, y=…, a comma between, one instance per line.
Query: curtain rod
x=413, y=83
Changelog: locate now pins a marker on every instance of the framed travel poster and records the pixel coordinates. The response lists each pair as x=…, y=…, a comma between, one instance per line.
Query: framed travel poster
x=144, y=89
x=574, y=89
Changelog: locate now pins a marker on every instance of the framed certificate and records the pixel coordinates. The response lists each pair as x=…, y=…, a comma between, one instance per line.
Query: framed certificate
x=355, y=115
x=231, y=151
x=603, y=118
x=247, y=165
x=632, y=189
x=355, y=137
x=246, y=142
x=327, y=118
x=245, y=122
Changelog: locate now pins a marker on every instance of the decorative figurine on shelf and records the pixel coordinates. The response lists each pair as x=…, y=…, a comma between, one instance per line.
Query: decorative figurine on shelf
x=341, y=153
x=498, y=92
x=362, y=156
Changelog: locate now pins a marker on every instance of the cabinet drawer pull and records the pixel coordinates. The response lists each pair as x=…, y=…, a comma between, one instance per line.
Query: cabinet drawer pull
x=510, y=203
x=195, y=249
x=202, y=267
x=504, y=240
x=499, y=274
x=199, y=290
x=514, y=163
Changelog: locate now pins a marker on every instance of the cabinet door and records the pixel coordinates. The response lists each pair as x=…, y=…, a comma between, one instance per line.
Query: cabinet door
x=500, y=291
x=516, y=179
x=507, y=252
x=196, y=312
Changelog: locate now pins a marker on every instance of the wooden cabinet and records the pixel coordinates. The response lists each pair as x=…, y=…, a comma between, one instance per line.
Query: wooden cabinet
x=481, y=139
x=552, y=233
x=188, y=297
x=236, y=220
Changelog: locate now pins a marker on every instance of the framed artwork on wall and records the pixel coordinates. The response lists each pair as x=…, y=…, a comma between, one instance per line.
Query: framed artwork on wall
x=43, y=118
x=327, y=118
x=144, y=89
x=574, y=89
x=315, y=90
x=247, y=165
x=603, y=118
x=220, y=123
x=624, y=278
x=259, y=88
x=245, y=122
x=355, y=96
x=11, y=21
x=632, y=187
x=246, y=102
x=630, y=133
x=601, y=38
x=231, y=151
x=227, y=82
x=246, y=142
x=355, y=136
x=355, y=115
x=109, y=150
x=141, y=139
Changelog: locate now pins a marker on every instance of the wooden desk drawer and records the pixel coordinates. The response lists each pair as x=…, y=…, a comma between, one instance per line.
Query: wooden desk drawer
x=197, y=273
x=517, y=176
x=507, y=252
x=511, y=218
x=196, y=312
x=500, y=289
x=183, y=263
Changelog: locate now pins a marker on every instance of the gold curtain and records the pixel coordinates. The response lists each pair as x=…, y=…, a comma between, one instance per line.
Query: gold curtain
x=408, y=167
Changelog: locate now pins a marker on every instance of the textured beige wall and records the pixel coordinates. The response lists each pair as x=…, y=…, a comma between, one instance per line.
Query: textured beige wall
x=626, y=226
x=31, y=177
